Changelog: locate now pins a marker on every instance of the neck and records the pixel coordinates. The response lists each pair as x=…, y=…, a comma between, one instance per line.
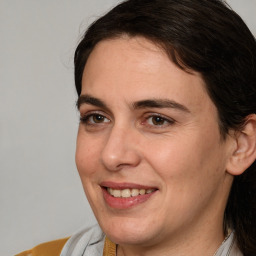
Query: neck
x=201, y=237
x=205, y=245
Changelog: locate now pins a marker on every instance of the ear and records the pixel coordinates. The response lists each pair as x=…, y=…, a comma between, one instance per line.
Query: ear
x=244, y=153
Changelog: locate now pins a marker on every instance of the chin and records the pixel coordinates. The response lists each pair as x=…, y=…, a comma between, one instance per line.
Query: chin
x=129, y=231
x=129, y=238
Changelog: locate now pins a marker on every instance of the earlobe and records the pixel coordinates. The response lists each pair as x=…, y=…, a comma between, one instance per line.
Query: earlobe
x=245, y=152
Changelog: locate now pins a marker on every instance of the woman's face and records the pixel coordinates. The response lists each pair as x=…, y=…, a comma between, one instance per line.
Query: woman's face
x=149, y=151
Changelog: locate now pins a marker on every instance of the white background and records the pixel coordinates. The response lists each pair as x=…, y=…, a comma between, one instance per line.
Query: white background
x=41, y=197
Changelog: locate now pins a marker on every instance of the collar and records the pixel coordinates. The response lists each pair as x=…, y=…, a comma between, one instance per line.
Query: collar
x=109, y=248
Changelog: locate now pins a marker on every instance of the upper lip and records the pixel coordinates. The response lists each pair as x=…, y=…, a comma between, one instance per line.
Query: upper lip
x=124, y=185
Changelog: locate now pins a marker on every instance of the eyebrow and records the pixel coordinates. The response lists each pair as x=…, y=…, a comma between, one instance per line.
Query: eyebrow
x=160, y=103
x=87, y=99
x=149, y=103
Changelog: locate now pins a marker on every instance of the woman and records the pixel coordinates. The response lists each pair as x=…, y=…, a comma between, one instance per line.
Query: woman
x=166, y=145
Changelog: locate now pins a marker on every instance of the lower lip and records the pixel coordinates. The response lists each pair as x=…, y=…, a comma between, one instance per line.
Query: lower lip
x=125, y=203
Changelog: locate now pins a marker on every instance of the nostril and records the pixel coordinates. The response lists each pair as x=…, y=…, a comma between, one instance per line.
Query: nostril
x=120, y=159
x=120, y=150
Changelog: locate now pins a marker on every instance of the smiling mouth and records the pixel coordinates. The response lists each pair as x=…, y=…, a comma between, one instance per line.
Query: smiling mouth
x=126, y=193
x=123, y=196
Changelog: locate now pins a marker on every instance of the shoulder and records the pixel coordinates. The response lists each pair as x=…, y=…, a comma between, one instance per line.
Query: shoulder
x=229, y=247
x=87, y=242
x=52, y=248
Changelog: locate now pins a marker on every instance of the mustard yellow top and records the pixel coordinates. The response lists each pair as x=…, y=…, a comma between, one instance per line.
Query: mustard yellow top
x=54, y=248
x=109, y=248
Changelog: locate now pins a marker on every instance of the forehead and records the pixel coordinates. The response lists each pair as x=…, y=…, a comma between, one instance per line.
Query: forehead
x=145, y=56
x=137, y=69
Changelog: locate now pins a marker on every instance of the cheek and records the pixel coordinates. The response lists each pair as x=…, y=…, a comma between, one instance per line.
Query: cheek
x=191, y=170
x=87, y=155
x=190, y=158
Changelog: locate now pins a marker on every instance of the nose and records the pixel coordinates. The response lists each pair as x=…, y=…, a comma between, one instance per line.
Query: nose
x=120, y=150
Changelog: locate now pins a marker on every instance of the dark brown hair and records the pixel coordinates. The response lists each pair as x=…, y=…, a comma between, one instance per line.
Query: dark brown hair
x=208, y=37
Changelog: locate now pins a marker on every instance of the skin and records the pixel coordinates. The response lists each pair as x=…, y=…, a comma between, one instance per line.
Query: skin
x=181, y=154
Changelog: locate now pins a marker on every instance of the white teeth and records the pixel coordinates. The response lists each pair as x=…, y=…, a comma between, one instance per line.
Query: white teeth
x=135, y=192
x=148, y=191
x=116, y=193
x=125, y=193
x=142, y=191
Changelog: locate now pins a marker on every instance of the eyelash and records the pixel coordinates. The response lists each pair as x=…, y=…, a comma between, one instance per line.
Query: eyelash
x=167, y=121
x=85, y=119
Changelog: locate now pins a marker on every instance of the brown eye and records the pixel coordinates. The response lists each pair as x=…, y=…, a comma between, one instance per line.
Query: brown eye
x=97, y=119
x=93, y=119
x=157, y=120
